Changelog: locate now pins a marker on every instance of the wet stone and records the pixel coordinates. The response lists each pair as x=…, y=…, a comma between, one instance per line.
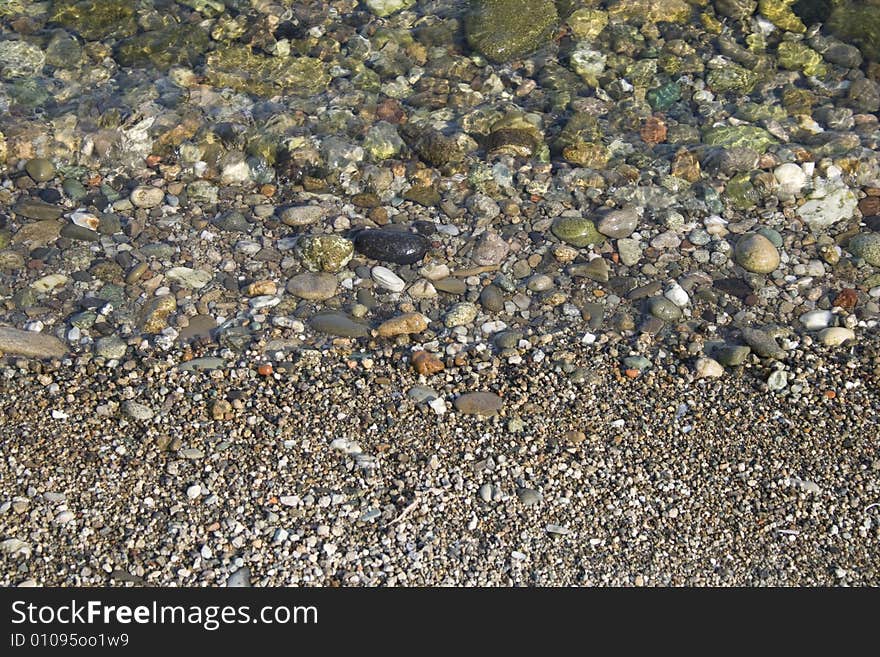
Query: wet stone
x=339, y=325
x=312, y=286
x=401, y=247
x=763, y=344
x=479, y=403
x=40, y=169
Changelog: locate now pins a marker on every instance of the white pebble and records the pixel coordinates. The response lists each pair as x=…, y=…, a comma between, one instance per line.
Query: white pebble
x=387, y=279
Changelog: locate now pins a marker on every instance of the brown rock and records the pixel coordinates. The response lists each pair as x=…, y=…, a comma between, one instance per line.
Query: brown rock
x=479, y=403
x=403, y=324
x=869, y=206
x=846, y=298
x=685, y=165
x=30, y=344
x=426, y=363
x=261, y=288
x=653, y=131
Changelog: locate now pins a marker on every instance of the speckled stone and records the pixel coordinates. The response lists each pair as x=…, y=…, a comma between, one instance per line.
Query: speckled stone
x=479, y=403
x=867, y=247
x=755, y=253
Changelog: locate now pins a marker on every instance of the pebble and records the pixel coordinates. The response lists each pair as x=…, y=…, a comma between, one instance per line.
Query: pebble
x=763, y=344
x=528, y=496
x=40, y=169
x=835, y=336
x=29, y=344
x=664, y=309
x=339, y=325
x=401, y=247
x=491, y=249
x=387, y=279
x=194, y=492
x=460, y=314
x=791, y=178
x=112, y=347
x=618, y=223
x=577, y=231
x=755, y=253
x=708, y=368
x=404, y=324
x=815, y=320
x=313, y=286
x=186, y=277
x=676, y=294
x=146, y=197
x=137, y=411
x=478, y=403
x=302, y=215
x=867, y=247
x=241, y=578
x=777, y=380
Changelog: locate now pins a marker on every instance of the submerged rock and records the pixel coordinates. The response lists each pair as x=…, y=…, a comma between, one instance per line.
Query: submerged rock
x=401, y=247
x=502, y=30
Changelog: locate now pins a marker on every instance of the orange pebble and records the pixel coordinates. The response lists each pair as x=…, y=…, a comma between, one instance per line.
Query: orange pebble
x=830, y=394
x=265, y=369
x=633, y=374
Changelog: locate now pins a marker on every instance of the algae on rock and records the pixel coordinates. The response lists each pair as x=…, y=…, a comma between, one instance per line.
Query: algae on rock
x=502, y=30
x=242, y=70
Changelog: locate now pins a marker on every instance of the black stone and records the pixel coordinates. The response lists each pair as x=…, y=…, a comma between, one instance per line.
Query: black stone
x=735, y=287
x=873, y=222
x=50, y=195
x=397, y=246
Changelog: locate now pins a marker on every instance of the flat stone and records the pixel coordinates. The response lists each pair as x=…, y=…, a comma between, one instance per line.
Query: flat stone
x=618, y=223
x=577, y=231
x=137, y=411
x=398, y=246
x=835, y=336
x=387, y=279
x=823, y=212
x=731, y=355
x=708, y=368
x=111, y=346
x=490, y=249
x=762, y=344
x=30, y=344
x=155, y=313
x=816, y=320
x=203, y=363
x=194, y=279
x=34, y=209
x=146, y=196
x=528, y=496
x=404, y=324
x=339, y=325
x=313, y=286
x=478, y=403
x=302, y=215
x=596, y=269
x=664, y=309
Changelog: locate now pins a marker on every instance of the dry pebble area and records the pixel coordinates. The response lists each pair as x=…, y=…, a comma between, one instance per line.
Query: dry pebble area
x=329, y=472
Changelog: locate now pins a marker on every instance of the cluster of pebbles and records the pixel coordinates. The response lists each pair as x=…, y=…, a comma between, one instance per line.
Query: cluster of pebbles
x=209, y=210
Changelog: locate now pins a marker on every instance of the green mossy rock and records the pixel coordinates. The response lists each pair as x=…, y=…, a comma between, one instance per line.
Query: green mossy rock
x=178, y=45
x=242, y=70
x=96, y=19
x=503, y=30
x=739, y=136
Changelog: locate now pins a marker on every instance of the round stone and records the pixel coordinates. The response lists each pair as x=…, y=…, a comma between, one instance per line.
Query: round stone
x=577, y=231
x=619, y=223
x=708, y=368
x=664, y=309
x=460, y=314
x=146, y=196
x=111, y=347
x=867, y=247
x=312, y=286
x=755, y=253
x=791, y=178
x=40, y=169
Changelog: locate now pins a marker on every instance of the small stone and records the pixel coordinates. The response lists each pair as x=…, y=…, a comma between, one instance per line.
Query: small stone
x=155, y=313
x=329, y=253
x=491, y=249
x=815, y=320
x=835, y=336
x=30, y=344
x=241, y=578
x=867, y=247
x=777, y=380
x=221, y=409
x=630, y=251
x=112, y=347
x=38, y=210
x=387, y=279
x=401, y=247
x=302, y=215
x=664, y=309
x=137, y=411
x=708, y=368
x=194, y=279
x=261, y=288
x=404, y=324
x=146, y=196
x=731, y=355
x=426, y=363
x=577, y=231
x=194, y=492
x=676, y=294
x=763, y=344
x=40, y=169
x=755, y=253
x=618, y=223
x=313, y=286
x=460, y=314
x=479, y=403
x=528, y=496
x=791, y=179
x=388, y=7
x=823, y=212
x=340, y=325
